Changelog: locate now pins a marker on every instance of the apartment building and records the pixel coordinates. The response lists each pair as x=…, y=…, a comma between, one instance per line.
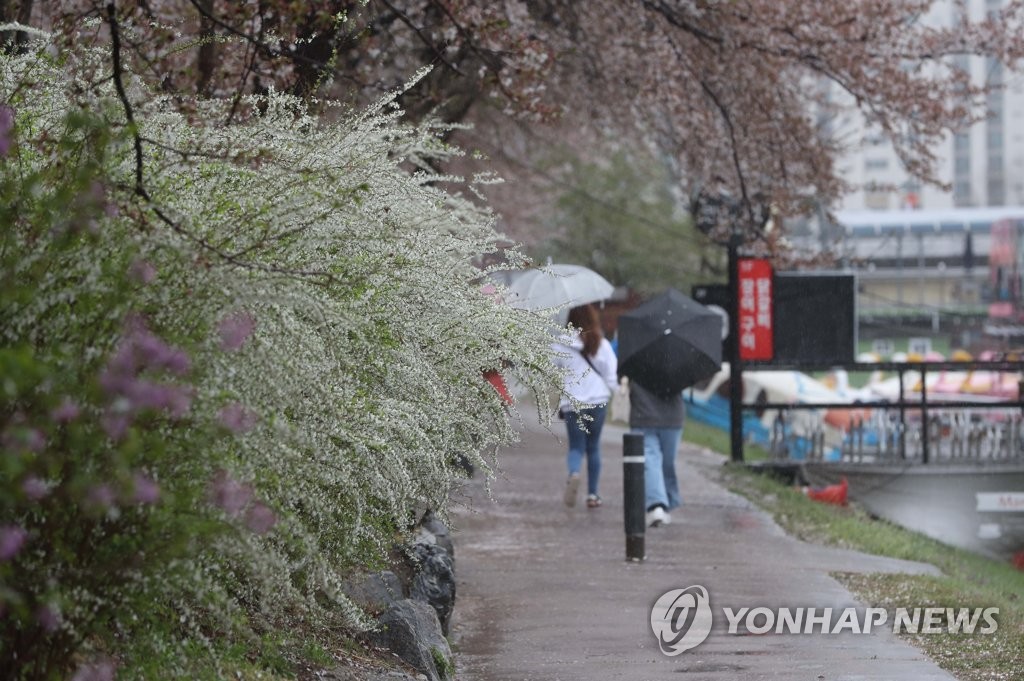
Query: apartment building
x=983, y=165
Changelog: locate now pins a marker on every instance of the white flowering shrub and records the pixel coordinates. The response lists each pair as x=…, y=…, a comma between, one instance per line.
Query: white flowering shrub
x=235, y=359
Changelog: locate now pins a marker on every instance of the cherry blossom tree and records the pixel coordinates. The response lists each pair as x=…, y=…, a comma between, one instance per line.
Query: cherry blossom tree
x=739, y=93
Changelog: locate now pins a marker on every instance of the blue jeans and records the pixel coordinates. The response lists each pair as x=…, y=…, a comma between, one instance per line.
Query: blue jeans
x=660, y=482
x=588, y=443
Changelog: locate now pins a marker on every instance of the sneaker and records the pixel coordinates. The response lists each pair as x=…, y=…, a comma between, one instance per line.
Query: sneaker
x=658, y=516
x=593, y=501
x=572, y=489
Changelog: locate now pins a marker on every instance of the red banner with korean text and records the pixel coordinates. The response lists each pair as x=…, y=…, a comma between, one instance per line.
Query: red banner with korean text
x=755, y=309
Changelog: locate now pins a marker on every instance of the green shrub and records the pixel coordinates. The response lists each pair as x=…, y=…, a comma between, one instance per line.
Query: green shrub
x=235, y=359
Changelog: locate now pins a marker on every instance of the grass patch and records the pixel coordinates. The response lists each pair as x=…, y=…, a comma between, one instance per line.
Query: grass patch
x=971, y=657
x=717, y=440
x=968, y=580
x=445, y=668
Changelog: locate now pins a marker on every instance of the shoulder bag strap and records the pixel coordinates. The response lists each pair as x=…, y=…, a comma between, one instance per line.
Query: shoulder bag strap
x=590, y=363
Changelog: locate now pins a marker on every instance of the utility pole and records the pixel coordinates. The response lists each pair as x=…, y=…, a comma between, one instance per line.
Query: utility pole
x=735, y=369
x=713, y=212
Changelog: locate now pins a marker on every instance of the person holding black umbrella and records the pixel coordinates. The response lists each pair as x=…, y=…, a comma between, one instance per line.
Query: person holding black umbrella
x=665, y=345
x=591, y=378
x=659, y=418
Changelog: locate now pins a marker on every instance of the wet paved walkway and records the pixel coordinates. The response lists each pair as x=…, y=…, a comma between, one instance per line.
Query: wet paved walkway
x=545, y=592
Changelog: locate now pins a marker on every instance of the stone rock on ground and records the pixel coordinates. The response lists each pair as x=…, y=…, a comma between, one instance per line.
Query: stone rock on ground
x=374, y=592
x=434, y=580
x=441, y=536
x=351, y=675
x=411, y=630
x=341, y=674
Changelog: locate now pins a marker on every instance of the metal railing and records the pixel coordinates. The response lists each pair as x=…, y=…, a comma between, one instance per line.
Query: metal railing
x=916, y=427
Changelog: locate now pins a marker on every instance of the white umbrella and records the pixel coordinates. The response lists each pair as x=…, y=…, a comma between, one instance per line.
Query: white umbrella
x=556, y=286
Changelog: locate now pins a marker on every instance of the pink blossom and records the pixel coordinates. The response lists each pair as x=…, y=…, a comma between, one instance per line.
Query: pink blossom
x=12, y=538
x=102, y=670
x=237, y=418
x=142, y=272
x=6, y=126
x=48, y=618
x=34, y=488
x=67, y=411
x=259, y=518
x=229, y=494
x=235, y=329
x=146, y=491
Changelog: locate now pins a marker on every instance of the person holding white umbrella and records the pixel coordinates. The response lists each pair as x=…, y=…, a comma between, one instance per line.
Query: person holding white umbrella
x=591, y=378
x=556, y=285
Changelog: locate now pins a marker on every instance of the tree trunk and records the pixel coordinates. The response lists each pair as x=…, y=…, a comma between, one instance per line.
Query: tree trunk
x=206, y=61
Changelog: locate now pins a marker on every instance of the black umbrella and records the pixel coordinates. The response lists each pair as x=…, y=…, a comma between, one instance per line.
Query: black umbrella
x=669, y=343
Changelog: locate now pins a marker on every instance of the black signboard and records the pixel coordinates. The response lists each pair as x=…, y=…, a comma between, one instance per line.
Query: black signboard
x=815, y=316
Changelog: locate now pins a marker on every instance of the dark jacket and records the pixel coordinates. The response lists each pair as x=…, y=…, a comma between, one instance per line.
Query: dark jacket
x=649, y=410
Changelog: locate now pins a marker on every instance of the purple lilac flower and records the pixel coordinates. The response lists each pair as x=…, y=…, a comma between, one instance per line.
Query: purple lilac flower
x=120, y=370
x=101, y=670
x=237, y=418
x=229, y=494
x=144, y=394
x=141, y=349
x=97, y=194
x=115, y=425
x=180, y=402
x=34, y=440
x=142, y=272
x=259, y=518
x=101, y=495
x=174, y=399
x=177, y=362
x=146, y=491
x=6, y=126
x=34, y=488
x=67, y=411
x=23, y=439
x=235, y=329
x=48, y=618
x=12, y=538
x=151, y=350
x=113, y=379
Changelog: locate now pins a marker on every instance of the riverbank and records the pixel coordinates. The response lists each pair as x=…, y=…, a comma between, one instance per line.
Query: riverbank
x=966, y=579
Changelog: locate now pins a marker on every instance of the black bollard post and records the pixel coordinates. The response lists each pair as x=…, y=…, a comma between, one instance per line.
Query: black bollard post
x=634, y=494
